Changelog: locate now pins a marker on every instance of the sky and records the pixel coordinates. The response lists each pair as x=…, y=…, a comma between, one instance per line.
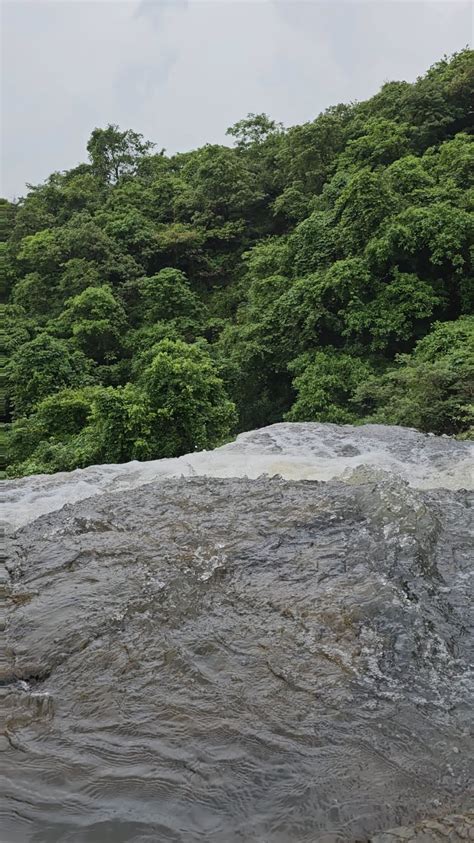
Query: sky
x=182, y=71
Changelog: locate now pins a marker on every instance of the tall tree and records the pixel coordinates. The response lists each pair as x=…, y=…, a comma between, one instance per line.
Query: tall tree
x=114, y=154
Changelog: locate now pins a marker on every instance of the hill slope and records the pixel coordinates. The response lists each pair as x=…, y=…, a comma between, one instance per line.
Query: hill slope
x=157, y=305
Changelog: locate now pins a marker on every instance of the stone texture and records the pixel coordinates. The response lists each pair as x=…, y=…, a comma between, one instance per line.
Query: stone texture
x=452, y=828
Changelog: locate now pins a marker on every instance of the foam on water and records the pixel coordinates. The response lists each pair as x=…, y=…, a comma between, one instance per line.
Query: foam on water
x=305, y=451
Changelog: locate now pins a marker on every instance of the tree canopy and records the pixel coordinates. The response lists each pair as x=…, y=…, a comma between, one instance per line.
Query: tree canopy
x=155, y=304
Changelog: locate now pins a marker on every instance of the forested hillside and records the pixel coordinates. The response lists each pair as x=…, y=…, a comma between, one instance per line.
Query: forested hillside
x=159, y=304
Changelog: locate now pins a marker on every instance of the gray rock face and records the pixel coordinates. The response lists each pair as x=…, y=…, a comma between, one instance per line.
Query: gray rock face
x=453, y=828
x=241, y=660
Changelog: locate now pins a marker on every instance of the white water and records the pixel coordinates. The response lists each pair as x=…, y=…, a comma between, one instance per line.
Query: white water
x=294, y=451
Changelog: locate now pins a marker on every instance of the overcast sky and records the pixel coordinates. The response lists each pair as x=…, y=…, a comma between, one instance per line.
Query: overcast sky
x=182, y=71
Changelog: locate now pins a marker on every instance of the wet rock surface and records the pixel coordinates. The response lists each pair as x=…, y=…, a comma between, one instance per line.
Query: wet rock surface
x=240, y=660
x=456, y=827
x=306, y=451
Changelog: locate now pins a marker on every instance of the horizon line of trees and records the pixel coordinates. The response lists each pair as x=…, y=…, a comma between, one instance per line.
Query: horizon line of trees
x=153, y=305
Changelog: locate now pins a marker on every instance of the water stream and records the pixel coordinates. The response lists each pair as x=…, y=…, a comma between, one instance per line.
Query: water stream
x=228, y=657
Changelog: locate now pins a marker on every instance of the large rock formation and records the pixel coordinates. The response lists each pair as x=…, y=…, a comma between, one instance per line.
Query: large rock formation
x=231, y=659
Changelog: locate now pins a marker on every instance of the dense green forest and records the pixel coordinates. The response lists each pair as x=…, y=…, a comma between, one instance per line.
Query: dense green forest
x=158, y=304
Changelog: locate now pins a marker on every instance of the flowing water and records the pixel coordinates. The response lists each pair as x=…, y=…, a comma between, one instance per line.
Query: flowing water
x=227, y=659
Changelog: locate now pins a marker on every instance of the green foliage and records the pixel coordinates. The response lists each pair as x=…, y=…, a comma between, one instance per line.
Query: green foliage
x=114, y=154
x=223, y=186
x=54, y=436
x=431, y=389
x=360, y=208
x=122, y=425
x=167, y=296
x=307, y=153
x=314, y=243
x=132, y=229
x=77, y=275
x=18, y=328
x=32, y=294
x=382, y=316
x=383, y=141
x=178, y=405
x=157, y=304
x=95, y=322
x=40, y=252
x=253, y=129
x=42, y=366
x=190, y=405
x=326, y=383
